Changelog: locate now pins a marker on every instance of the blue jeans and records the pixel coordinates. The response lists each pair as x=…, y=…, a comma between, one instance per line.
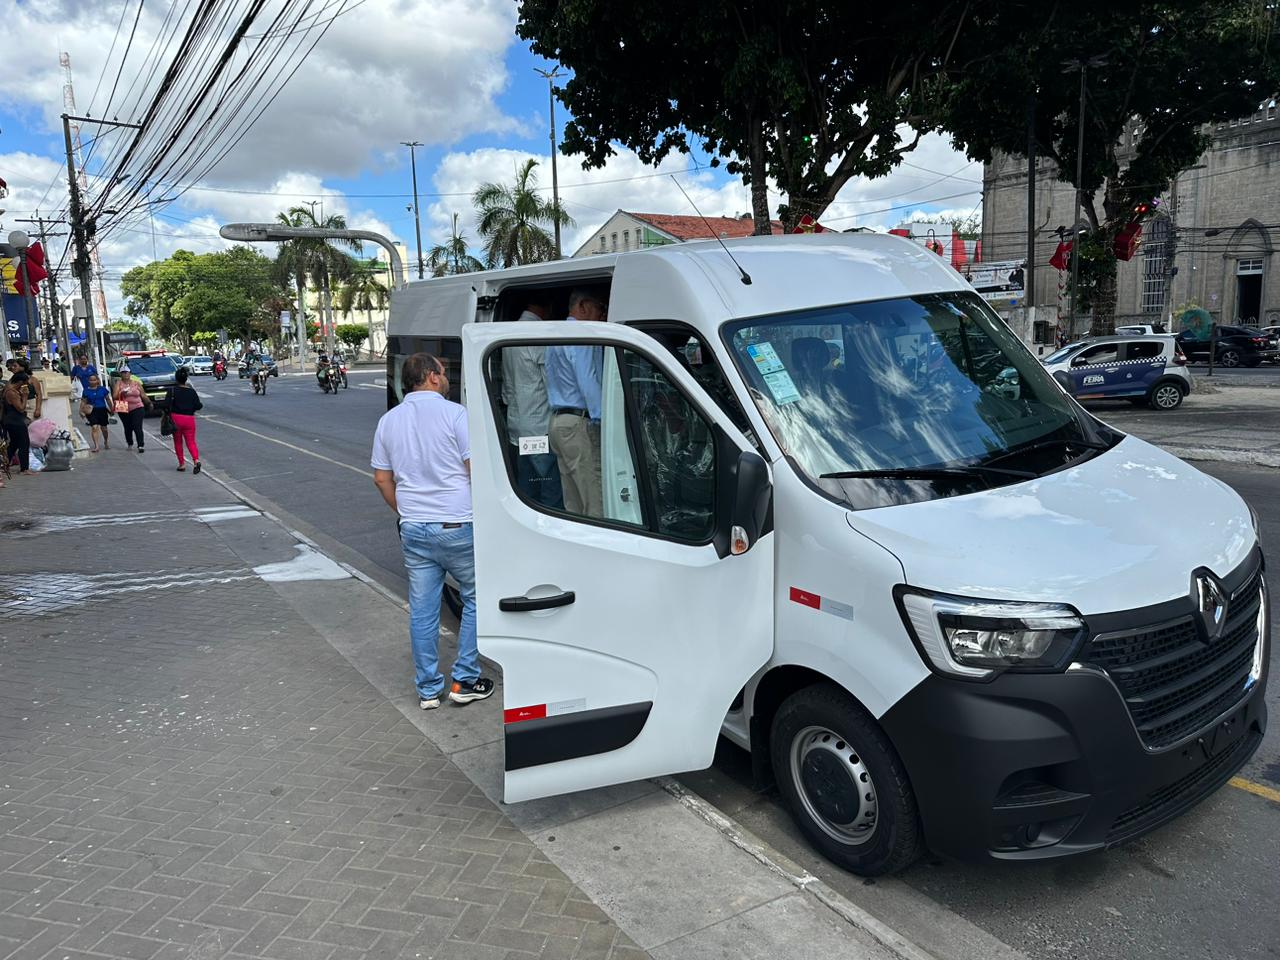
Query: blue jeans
x=430, y=551
x=538, y=475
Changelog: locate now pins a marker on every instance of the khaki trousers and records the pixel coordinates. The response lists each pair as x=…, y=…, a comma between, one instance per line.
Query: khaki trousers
x=576, y=443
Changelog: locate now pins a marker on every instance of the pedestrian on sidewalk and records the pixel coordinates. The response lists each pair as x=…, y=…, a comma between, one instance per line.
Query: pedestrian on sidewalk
x=422, y=467
x=13, y=418
x=183, y=404
x=96, y=396
x=83, y=370
x=131, y=404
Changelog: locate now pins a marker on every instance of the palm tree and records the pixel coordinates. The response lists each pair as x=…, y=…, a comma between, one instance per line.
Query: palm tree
x=451, y=256
x=315, y=261
x=364, y=291
x=512, y=218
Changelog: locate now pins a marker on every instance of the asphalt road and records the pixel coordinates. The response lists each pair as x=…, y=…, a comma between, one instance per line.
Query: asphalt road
x=1202, y=887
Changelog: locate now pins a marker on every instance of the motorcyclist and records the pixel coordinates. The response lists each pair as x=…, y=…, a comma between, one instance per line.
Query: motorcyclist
x=322, y=364
x=254, y=365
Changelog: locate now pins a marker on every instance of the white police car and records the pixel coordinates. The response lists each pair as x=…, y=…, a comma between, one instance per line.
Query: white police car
x=1141, y=369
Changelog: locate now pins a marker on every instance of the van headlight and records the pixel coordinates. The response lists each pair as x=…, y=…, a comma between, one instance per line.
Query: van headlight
x=976, y=639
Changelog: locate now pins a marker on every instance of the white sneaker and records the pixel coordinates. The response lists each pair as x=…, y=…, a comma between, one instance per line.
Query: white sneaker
x=428, y=703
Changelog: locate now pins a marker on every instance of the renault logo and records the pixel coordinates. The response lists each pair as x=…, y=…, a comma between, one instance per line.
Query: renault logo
x=1211, y=603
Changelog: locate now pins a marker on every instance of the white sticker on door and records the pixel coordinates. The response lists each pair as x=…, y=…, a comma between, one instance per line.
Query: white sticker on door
x=533, y=445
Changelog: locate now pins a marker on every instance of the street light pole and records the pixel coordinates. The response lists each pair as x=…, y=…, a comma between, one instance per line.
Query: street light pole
x=555, y=179
x=1071, y=66
x=417, y=219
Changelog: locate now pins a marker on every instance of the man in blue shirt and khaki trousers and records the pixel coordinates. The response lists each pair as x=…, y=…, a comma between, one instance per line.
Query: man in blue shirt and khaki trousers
x=573, y=392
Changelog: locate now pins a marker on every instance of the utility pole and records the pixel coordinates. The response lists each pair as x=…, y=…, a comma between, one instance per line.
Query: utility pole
x=69, y=107
x=1071, y=66
x=81, y=263
x=1029, y=271
x=417, y=219
x=51, y=284
x=555, y=180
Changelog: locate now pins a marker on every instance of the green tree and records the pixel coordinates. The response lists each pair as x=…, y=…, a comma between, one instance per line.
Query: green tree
x=204, y=338
x=512, y=219
x=452, y=256
x=364, y=291
x=810, y=93
x=138, y=327
x=351, y=334
x=1162, y=72
x=315, y=261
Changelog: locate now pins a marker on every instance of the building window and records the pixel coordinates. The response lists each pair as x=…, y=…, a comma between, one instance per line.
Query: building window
x=1248, y=266
x=626, y=239
x=602, y=242
x=1155, y=266
x=613, y=242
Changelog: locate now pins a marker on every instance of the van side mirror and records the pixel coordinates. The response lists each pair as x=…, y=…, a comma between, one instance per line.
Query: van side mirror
x=744, y=498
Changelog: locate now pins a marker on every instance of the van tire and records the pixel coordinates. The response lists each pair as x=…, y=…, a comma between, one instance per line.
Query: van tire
x=822, y=732
x=1166, y=395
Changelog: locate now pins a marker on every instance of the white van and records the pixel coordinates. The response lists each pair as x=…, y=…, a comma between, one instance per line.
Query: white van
x=938, y=601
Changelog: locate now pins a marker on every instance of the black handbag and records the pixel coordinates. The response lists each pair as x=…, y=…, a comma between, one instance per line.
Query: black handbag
x=166, y=425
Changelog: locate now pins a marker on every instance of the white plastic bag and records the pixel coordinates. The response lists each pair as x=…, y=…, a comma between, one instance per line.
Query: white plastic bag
x=37, y=460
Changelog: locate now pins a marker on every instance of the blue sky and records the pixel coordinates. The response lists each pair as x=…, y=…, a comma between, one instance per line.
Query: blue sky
x=450, y=73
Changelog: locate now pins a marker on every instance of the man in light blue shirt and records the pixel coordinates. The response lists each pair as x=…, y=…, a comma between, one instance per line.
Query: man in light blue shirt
x=573, y=392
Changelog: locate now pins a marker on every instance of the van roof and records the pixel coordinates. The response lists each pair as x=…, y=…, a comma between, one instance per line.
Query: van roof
x=698, y=283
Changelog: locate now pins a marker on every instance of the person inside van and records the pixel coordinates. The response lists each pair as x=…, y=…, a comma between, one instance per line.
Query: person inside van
x=809, y=359
x=524, y=392
x=573, y=393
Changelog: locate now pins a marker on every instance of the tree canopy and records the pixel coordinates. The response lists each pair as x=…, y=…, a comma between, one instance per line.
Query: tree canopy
x=808, y=93
x=231, y=289
x=452, y=256
x=514, y=218
x=1160, y=72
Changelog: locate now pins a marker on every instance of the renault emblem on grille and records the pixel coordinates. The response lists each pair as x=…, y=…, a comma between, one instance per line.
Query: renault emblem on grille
x=1211, y=602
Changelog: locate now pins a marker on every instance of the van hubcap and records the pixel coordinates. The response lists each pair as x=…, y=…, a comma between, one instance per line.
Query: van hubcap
x=834, y=784
x=1167, y=397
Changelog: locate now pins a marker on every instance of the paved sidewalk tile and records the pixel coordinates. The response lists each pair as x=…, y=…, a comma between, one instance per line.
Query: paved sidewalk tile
x=188, y=770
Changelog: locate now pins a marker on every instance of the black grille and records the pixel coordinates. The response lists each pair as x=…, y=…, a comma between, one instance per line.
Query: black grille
x=1183, y=792
x=1172, y=682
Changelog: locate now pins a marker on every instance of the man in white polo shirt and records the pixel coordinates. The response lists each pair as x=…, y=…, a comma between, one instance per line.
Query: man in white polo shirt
x=422, y=467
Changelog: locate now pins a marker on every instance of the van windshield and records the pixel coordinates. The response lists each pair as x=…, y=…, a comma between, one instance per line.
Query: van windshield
x=894, y=401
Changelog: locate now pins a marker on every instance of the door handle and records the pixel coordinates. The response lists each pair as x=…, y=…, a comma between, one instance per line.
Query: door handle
x=525, y=604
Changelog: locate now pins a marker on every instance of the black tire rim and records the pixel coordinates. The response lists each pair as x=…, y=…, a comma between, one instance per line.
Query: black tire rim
x=834, y=786
x=1230, y=359
x=1168, y=397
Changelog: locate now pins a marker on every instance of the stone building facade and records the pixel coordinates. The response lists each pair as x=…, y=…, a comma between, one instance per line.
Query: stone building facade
x=1212, y=242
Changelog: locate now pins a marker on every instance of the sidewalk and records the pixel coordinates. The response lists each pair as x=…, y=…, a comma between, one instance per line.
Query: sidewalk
x=1234, y=424
x=210, y=747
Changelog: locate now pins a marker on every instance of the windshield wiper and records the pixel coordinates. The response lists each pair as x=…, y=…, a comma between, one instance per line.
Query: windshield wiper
x=1042, y=444
x=925, y=473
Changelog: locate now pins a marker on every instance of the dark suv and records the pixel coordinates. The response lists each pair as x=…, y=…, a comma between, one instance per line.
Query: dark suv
x=1237, y=347
x=156, y=374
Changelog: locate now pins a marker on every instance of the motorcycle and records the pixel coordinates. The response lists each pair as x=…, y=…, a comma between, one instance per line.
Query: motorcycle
x=219, y=370
x=259, y=380
x=324, y=377
x=338, y=374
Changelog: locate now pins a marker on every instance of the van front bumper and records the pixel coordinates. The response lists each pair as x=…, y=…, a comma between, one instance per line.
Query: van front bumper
x=1032, y=766
x=1039, y=766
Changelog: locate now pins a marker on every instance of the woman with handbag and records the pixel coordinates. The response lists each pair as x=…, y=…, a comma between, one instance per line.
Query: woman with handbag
x=93, y=406
x=183, y=404
x=131, y=404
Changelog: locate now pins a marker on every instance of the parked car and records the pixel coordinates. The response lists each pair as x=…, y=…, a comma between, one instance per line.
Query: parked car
x=1147, y=368
x=198, y=365
x=1140, y=330
x=1237, y=347
x=267, y=361
x=1273, y=334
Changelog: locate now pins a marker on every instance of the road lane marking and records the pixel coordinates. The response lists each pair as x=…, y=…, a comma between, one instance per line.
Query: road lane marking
x=309, y=453
x=1267, y=793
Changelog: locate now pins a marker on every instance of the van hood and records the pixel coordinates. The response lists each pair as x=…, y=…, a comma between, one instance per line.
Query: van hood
x=1122, y=530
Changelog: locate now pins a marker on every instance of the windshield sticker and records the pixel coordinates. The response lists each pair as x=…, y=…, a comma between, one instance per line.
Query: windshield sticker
x=765, y=357
x=782, y=387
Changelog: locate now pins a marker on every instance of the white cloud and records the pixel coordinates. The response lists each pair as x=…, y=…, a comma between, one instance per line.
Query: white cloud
x=389, y=70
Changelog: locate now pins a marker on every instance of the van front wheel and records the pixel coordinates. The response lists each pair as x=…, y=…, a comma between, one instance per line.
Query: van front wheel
x=847, y=789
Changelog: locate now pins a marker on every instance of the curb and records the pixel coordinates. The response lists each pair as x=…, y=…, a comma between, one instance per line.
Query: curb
x=780, y=865
x=1248, y=458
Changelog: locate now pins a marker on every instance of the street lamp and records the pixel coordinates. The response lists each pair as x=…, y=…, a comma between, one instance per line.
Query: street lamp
x=551, y=76
x=1071, y=66
x=417, y=218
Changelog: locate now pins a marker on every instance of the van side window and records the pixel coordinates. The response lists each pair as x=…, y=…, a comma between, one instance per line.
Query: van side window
x=1147, y=350
x=639, y=454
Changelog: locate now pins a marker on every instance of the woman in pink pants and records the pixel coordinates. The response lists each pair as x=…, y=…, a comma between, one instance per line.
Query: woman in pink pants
x=183, y=404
